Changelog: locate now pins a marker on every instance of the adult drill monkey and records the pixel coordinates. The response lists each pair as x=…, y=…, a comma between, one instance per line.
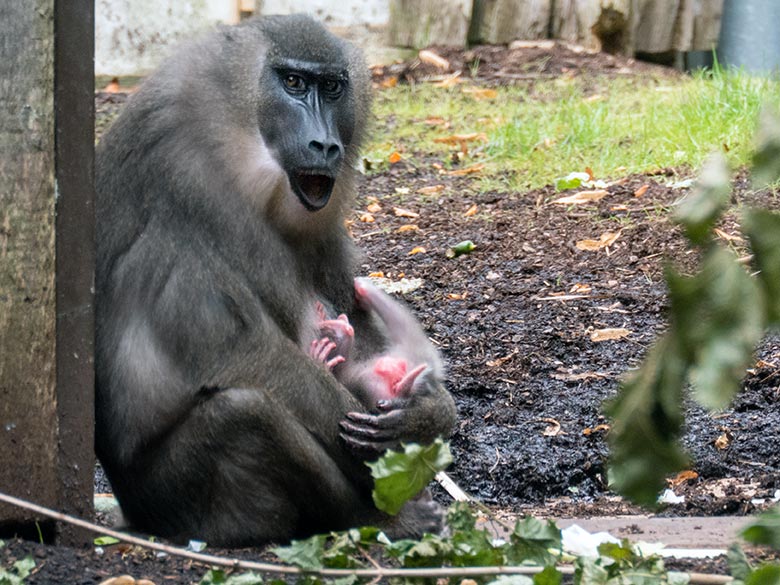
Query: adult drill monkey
x=221, y=194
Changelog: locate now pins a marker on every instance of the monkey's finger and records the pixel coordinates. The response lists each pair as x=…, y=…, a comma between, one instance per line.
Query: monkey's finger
x=333, y=362
x=367, y=447
x=391, y=420
x=359, y=430
x=320, y=349
x=396, y=404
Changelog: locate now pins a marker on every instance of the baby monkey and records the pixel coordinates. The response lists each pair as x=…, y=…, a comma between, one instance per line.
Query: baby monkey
x=408, y=357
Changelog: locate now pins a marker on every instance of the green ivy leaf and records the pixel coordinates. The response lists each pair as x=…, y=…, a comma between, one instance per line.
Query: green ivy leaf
x=531, y=540
x=718, y=318
x=763, y=230
x=430, y=551
x=24, y=566
x=765, y=575
x=765, y=529
x=647, y=421
x=571, y=181
x=399, y=477
x=589, y=571
x=306, y=554
x=702, y=207
x=474, y=548
x=739, y=567
x=218, y=577
x=460, y=517
x=549, y=576
x=766, y=160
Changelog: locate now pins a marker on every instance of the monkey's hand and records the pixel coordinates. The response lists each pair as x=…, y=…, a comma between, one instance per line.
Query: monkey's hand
x=320, y=351
x=340, y=332
x=421, y=416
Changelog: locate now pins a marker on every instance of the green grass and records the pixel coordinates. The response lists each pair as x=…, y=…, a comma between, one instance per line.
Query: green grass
x=537, y=134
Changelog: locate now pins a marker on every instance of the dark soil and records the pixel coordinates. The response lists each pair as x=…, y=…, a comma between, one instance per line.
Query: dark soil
x=513, y=320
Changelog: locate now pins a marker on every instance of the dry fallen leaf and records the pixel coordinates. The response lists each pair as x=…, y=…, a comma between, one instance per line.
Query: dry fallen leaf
x=379, y=274
x=394, y=158
x=641, y=191
x=431, y=190
x=471, y=210
x=449, y=81
x=480, y=93
x=727, y=237
x=609, y=334
x=724, y=440
x=597, y=429
x=417, y=250
x=470, y=170
x=590, y=173
x=457, y=297
x=410, y=227
x=544, y=144
x=501, y=360
x=435, y=121
x=389, y=82
x=374, y=208
x=461, y=138
x=582, y=197
x=605, y=240
x=431, y=58
x=568, y=377
x=681, y=478
x=580, y=288
x=367, y=218
x=401, y=212
x=553, y=428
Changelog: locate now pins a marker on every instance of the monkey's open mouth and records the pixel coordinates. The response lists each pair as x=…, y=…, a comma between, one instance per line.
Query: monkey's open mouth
x=312, y=189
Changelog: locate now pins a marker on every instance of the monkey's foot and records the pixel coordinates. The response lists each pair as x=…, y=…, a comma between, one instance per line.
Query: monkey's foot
x=404, y=386
x=418, y=516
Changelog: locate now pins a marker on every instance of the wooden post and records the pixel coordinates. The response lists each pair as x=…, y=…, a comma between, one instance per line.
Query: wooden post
x=46, y=258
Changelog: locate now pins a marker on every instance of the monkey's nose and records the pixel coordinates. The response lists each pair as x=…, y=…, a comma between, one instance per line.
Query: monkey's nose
x=331, y=150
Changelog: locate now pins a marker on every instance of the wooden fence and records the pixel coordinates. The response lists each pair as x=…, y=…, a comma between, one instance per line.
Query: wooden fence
x=617, y=26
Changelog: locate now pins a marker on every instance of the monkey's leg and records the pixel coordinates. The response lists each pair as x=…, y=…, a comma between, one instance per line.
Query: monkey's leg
x=241, y=469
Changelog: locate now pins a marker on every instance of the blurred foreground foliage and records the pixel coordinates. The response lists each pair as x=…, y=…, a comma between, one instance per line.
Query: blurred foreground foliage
x=716, y=319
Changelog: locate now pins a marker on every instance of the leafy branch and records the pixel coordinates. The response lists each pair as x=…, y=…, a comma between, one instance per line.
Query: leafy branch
x=717, y=317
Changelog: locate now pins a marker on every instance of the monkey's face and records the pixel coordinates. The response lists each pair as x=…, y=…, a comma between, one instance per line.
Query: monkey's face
x=307, y=121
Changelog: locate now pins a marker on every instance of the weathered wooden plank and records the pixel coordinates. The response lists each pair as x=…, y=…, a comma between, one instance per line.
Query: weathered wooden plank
x=46, y=145
x=663, y=24
x=502, y=21
x=420, y=23
x=706, y=24
x=28, y=429
x=607, y=25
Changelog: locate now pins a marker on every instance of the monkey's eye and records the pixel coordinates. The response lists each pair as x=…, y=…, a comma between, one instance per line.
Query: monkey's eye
x=294, y=83
x=332, y=88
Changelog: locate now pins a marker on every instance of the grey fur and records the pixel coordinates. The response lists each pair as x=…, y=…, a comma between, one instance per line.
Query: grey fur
x=212, y=423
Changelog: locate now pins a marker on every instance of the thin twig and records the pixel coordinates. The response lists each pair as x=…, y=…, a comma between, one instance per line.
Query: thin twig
x=378, y=573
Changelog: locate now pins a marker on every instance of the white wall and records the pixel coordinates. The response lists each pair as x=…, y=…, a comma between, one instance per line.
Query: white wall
x=133, y=36
x=333, y=12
